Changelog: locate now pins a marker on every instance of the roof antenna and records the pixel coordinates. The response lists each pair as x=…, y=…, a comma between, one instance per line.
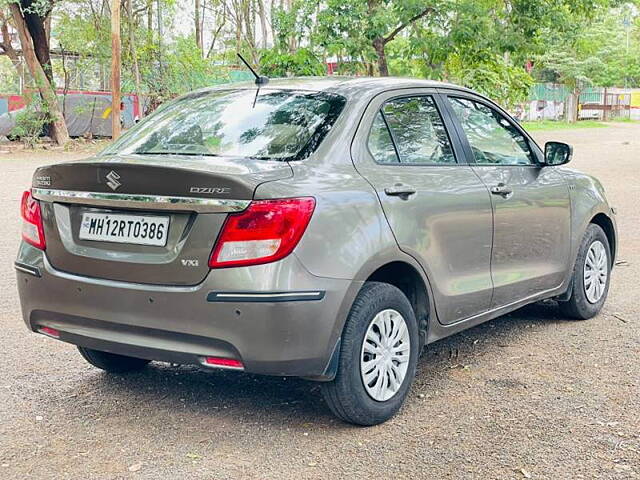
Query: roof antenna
x=260, y=80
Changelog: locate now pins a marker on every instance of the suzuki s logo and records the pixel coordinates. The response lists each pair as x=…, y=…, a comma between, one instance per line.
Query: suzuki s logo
x=113, y=182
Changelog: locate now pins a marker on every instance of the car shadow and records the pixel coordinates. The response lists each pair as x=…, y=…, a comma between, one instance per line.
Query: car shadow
x=503, y=331
x=221, y=395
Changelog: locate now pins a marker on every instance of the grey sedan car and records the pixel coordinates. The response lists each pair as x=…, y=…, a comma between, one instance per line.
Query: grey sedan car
x=322, y=228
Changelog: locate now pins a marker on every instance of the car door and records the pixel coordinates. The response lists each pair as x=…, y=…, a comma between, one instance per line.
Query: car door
x=438, y=209
x=531, y=204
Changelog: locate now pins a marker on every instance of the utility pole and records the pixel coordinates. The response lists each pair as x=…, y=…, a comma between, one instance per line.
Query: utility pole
x=115, y=69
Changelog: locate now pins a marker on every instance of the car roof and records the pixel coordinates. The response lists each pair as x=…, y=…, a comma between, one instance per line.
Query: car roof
x=345, y=86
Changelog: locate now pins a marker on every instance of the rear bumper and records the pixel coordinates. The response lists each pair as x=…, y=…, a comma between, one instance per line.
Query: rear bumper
x=278, y=319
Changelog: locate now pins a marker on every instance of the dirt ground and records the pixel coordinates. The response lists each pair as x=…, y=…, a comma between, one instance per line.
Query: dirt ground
x=530, y=395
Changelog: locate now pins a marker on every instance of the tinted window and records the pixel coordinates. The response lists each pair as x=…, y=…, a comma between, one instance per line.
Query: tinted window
x=418, y=131
x=494, y=140
x=275, y=124
x=380, y=143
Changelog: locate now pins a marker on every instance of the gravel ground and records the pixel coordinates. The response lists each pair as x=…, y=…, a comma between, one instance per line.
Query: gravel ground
x=530, y=395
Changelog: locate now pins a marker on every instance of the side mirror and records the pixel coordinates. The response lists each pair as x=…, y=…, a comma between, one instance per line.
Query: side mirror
x=557, y=153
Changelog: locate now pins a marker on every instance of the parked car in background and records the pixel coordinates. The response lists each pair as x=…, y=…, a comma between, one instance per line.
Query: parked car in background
x=320, y=228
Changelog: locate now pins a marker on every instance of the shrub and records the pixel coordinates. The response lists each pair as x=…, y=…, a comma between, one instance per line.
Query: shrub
x=31, y=121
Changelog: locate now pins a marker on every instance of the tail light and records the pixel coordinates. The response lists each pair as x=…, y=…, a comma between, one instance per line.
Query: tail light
x=32, y=228
x=266, y=231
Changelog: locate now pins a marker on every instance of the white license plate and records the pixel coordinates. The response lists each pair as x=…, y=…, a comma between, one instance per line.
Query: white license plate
x=134, y=229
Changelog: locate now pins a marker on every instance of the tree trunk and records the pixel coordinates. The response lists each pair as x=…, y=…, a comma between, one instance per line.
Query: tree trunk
x=237, y=18
x=214, y=37
x=115, y=69
x=7, y=47
x=37, y=27
x=133, y=51
x=149, y=19
x=250, y=30
x=160, y=38
x=380, y=42
x=378, y=45
x=271, y=27
x=263, y=22
x=292, y=38
x=197, y=12
x=58, y=128
x=571, y=107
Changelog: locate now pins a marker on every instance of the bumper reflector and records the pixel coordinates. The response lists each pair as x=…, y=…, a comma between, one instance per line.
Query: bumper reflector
x=50, y=332
x=222, y=363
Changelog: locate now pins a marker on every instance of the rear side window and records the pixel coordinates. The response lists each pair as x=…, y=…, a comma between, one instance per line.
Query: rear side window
x=414, y=126
x=380, y=142
x=265, y=124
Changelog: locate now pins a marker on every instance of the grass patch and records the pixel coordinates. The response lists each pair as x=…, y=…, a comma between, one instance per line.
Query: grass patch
x=561, y=125
x=624, y=120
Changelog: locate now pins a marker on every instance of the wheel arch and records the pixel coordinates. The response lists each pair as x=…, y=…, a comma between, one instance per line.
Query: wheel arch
x=403, y=273
x=408, y=279
x=604, y=222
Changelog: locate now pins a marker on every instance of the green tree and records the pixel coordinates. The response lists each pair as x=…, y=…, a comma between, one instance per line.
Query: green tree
x=362, y=29
x=605, y=53
x=302, y=62
x=30, y=18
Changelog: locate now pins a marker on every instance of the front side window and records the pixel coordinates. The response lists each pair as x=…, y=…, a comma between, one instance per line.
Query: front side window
x=414, y=126
x=269, y=124
x=493, y=139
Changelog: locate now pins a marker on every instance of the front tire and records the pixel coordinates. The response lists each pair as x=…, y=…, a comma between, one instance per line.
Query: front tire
x=112, y=363
x=591, y=276
x=378, y=357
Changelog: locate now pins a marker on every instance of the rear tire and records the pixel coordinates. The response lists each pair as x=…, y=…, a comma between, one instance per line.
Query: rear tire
x=380, y=343
x=112, y=363
x=591, y=276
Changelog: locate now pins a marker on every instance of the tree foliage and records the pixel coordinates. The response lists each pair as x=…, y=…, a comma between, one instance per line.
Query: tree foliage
x=499, y=47
x=606, y=53
x=302, y=62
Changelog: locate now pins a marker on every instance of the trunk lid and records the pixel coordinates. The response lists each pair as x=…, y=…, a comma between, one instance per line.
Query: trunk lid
x=195, y=194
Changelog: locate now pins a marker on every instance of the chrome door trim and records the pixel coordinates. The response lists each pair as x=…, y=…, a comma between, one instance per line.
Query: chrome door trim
x=132, y=200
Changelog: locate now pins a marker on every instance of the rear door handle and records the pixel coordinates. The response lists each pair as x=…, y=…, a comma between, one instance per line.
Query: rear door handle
x=502, y=189
x=400, y=191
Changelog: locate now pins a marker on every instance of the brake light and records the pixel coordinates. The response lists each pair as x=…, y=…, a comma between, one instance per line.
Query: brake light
x=266, y=231
x=32, y=228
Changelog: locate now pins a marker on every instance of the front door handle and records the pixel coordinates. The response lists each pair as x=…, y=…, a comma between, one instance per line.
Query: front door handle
x=400, y=190
x=502, y=189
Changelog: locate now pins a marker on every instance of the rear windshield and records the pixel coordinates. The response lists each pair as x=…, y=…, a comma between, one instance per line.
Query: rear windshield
x=265, y=124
